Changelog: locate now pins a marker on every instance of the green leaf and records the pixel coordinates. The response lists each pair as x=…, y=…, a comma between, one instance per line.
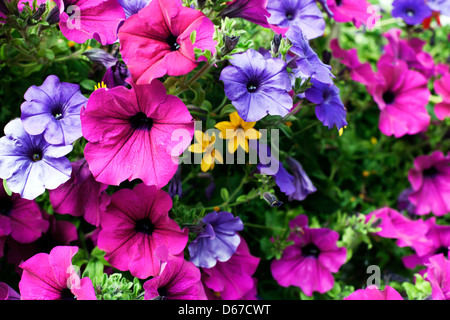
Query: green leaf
x=88, y=84
x=226, y=110
x=224, y=194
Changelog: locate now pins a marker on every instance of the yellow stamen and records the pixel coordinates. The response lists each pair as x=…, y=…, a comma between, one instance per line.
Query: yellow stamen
x=373, y=140
x=71, y=44
x=99, y=85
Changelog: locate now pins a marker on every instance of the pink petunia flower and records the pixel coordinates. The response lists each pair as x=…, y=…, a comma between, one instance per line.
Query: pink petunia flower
x=179, y=280
x=157, y=40
x=359, y=72
x=373, y=293
x=399, y=114
x=311, y=260
x=82, y=195
x=356, y=11
x=139, y=136
x=395, y=225
x=438, y=274
x=81, y=20
x=232, y=279
x=252, y=10
x=430, y=181
x=442, y=88
x=408, y=50
x=438, y=237
x=136, y=227
x=53, y=277
x=21, y=218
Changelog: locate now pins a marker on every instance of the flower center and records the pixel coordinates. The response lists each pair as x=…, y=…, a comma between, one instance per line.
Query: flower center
x=162, y=292
x=140, y=121
x=6, y=206
x=252, y=86
x=430, y=172
x=37, y=156
x=310, y=250
x=172, y=42
x=443, y=250
x=338, y=2
x=144, y=226
x=410, y=12
x=388, y=97
x=66, y=294
x=57, y=112
x=290, y=15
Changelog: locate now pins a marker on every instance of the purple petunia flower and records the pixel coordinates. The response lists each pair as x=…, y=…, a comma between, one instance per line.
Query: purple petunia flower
x=312, y=258
x=54, y=110
x=252, y=10
x=308, y=63
x=411, y=11
x=403, y=202
x=233, y=279
x=30, y=164
x=257, y=86
x=20, y=218
x=179, y=280
x=303, y=185
x=217, y=241
x=133, y=6
x=441, y=6
x=175, y=186
x=304, y=14
x=330, y=109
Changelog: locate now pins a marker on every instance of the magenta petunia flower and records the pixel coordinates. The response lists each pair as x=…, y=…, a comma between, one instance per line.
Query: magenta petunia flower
x=373, y=293
x=81, y=20
x=81, y=196
x=356, y=11
x=8, y=293
x=430, y=180
x=179, y=280
x=408, y=50
x=157, y=40
x=359, y=72
x=438, y=274
x=311, y=260
x=59, y=233
x=395, y=225
x=438, y=237
x=401, y=115
x=52, y=277
x=136, y=227
x=442, y=88
x=252, y=10
x=232, y=280
x=21, y=218
x=139, y=136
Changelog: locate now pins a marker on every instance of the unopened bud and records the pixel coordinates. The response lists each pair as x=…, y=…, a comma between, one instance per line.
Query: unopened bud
x=275, y=45
x=39, y=12
x=272, y=199
x=230, y=43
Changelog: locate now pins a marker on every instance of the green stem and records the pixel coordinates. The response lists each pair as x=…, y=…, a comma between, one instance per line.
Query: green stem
x=253, y=225
x=196, y=76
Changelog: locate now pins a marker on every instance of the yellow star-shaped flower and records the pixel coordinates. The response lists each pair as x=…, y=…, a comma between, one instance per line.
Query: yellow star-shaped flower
x=205, y=145
x=237, y=132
